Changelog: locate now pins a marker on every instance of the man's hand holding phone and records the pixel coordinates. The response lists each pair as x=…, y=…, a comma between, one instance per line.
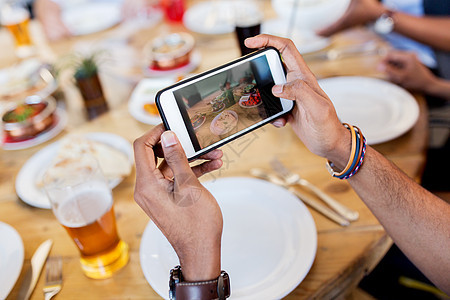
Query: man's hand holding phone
x=185, y=212
x=313, y=118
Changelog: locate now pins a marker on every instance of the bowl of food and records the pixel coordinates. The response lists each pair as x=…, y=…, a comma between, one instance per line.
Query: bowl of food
x=27, y=119
x=170, y=51
x=311, y=15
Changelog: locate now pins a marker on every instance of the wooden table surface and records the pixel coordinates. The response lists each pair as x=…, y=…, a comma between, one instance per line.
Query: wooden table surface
x=344, y=255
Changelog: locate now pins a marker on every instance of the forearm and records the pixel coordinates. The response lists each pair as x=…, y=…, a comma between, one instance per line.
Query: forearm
x=439, y=88
x=432, y=31
x=417, y=221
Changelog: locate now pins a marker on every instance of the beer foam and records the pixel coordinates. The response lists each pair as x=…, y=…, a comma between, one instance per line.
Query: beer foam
x=12, y=16
x=84, y=206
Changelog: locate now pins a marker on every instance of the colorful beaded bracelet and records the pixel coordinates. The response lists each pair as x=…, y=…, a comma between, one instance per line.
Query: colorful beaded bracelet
x=356, y=156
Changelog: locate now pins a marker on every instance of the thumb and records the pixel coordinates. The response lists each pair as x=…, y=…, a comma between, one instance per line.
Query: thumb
x=174, y=154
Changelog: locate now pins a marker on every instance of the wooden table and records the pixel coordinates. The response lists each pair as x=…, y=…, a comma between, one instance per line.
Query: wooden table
x=344, y=255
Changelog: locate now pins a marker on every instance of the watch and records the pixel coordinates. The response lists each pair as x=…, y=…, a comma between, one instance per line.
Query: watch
x=202, y=290
x=385, y=23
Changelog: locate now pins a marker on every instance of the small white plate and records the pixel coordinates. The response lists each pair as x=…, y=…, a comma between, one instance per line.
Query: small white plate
x=36, y=166
x=194, y=62
x=144, y=93
x=42, y=137
x=92, y=17
x=305, y=41
x=11, y=258
x=382, y=110
x=215, y=17
x=268, y=246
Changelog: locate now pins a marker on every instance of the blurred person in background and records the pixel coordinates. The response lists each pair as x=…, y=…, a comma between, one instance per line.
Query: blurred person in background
x=421, y=30
x=421, y=27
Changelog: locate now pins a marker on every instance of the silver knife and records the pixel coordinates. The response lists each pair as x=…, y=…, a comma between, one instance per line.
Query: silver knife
x=37, y=263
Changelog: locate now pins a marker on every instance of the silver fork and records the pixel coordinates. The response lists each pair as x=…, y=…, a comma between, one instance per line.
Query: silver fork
x=53, y=278
x=293, y=178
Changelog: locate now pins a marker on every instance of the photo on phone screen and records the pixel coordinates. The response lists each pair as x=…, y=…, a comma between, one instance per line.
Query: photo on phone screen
x=228, y=102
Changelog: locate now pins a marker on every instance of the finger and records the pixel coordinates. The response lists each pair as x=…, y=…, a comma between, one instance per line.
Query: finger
x=280, y=122
x=174, y=154
x=215, y=154
x=288, y=51
x=207, y=167
x=165, y=170
x=302, y=93
x=394, y=73
x=143, y=151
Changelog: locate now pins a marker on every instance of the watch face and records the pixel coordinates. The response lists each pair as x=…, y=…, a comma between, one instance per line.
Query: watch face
x=384, y=24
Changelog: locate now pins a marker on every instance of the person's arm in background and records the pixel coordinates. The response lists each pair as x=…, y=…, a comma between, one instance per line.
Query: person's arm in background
x=48, y=13
x=432, y=31
x=417, y=221
x=405, y=69
x=185, y=212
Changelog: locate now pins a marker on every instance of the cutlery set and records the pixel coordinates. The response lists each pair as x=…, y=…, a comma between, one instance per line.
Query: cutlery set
x=335, y=211
x=53, y=282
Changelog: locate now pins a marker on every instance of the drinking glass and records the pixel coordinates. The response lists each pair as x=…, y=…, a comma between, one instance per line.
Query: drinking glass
x=15, y=17
x=247, y=24
x=82, y=202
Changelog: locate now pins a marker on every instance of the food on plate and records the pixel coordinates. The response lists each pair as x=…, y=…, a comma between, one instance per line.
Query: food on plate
x=113, y=162
x=170, y=51
x=224, y=122
x=251, y=100
x=29, y=118
x=197, y=120
x=249, y=88
x=218, y=106
x=151, y=109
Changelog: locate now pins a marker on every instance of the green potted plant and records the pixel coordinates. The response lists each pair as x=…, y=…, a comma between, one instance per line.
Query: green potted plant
x=85, y=73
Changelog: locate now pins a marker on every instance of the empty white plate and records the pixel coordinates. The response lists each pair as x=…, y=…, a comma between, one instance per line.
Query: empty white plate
x=268, y=246
x=11, y=258
x=382, y=110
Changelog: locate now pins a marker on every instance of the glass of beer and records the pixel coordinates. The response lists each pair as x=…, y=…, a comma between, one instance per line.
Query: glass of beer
x=15, y=17
x=82, y=202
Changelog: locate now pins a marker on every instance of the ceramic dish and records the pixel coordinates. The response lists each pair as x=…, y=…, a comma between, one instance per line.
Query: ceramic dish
x=382, y=110
x=11, y=258
x=269, y=241
x=35, y=167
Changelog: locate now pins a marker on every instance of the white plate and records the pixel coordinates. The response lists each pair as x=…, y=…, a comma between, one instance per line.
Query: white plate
x=145, y=92
x=305, y=41
x=42, y=137
x=382, y=110
x=215, y=17
x=93, y=17
x=11, y=258
x=268, y=246
x=194, y=62
x=36, y=166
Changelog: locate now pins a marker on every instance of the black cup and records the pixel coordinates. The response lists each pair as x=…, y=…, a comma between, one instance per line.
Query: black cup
x=244, y=31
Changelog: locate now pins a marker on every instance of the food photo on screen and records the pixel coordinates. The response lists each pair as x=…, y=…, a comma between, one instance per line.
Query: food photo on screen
x=228, y=102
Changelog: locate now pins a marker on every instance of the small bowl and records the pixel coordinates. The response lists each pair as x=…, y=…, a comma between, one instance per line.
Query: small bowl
x=19, y=130
x=170, y=51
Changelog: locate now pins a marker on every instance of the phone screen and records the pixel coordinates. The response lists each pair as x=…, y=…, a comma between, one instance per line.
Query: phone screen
x=228, y=102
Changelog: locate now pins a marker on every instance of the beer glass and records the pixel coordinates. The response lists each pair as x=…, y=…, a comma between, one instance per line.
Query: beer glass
x=82, y=202
x=15, y=17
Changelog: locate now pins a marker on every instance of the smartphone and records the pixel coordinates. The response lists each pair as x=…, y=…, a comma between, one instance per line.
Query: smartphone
x=213, y=108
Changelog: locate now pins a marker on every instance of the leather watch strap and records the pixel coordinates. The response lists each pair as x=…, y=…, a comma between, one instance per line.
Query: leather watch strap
x=204, y=290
